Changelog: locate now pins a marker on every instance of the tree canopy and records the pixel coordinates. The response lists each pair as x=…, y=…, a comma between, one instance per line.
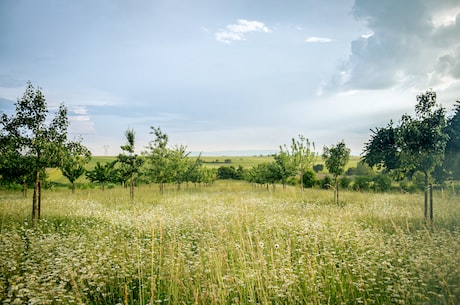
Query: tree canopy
x=417, y=144
x=30, y=140
x=336, y=158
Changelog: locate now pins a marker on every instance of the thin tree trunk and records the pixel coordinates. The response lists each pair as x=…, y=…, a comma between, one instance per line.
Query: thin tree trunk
x=431, y=203
x=336, y=191
x=425, y=210
x=131, y=187
x=35, y=199
x=39, y=198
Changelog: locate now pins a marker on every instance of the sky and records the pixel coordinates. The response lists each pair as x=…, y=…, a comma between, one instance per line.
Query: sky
x=230, y=77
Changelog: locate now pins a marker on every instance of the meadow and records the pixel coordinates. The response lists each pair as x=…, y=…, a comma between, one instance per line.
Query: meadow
x=228, y=243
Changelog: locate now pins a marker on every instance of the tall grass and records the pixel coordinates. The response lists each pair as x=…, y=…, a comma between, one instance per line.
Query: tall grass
x=228, y=244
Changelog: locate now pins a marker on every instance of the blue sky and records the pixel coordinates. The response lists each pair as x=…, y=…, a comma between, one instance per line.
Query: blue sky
x=230, y=76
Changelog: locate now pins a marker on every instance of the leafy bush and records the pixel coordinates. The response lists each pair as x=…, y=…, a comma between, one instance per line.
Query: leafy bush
x=326, y=182
x=309, y=179
x=318, y=167
x=382, y=183
x=362, y=183
x=418, y=180
x=344, y=182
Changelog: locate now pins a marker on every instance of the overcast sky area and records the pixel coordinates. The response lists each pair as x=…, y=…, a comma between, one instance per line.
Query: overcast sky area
x=230, y=76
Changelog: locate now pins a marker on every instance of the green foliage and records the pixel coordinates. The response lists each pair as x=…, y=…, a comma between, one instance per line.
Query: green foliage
x=309, y=178
x=377, y=182
x=362, y=183
x=382, y=150
x=451, y=163
x=158, y=158
x=345, y=182
x=336, y=158
x=382, y=183
x=31, y=142
x=418, y=180
x=422, y=139
x=284, y=166
x=130, y=163
x=318, y=168
x=298, y=158
x=173, y=165
x=101, y=173
x=326, y=182
x=417, y=144
x=362, y=169
x=230, y=172
x=74, y=163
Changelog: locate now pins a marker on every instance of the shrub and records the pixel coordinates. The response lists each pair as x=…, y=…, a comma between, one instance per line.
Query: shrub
x=382, y=183
x=318, y=167
x=326, y=182
x=344, y=182
x=309, y=179
x=362, y=183
x=419, y=181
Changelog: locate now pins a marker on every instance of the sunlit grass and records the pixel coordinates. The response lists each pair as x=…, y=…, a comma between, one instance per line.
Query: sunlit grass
x=230, y=243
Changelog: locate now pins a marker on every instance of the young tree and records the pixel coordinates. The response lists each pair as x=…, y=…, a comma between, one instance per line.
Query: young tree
x=101, y=173
x=74, y=163
x=417, y=144
x=422, y=140
x=179, y=164
x=130, y=162
x=336, y=158
x=32, y=141
x=158, y=157
x=301, y=155
x=285, y=167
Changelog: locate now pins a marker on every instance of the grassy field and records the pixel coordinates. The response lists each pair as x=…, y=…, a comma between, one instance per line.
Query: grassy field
x=229, y=243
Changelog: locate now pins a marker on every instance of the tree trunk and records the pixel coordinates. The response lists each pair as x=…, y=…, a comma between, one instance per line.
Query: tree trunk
x=39, y=198
x=73, y=187
x=336, y=191
x=131, y=187
x=431, y=203
x=425, y=210
x=35, y=199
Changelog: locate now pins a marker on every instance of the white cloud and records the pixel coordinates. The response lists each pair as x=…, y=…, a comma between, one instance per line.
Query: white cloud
x=445, y=17
x=367, y=35
x=81, y=124
x=79, y=110
x=406, y=46
x=238, y=31
x=228, y=37
x=315, y=39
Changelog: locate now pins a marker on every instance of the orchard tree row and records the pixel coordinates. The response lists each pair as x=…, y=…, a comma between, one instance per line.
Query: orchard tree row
x=159, y=164
x=30, y=142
